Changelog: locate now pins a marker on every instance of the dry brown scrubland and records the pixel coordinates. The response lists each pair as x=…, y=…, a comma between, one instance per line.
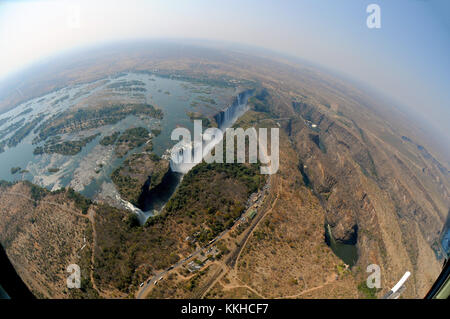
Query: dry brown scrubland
x=373, y=179
x=43, y=237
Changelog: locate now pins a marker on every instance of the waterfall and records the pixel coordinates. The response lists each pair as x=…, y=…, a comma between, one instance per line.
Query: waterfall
x=224, y=119
x=161, y=194
x=179, y=162
x=227, y=117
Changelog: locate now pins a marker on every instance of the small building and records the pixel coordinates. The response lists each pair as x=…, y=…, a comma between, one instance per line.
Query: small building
x=193, y=266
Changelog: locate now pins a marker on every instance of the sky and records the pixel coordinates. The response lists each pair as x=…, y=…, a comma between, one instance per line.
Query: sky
x=408, y=58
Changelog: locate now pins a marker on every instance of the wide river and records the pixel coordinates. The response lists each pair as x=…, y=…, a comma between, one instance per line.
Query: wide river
x=89, y=171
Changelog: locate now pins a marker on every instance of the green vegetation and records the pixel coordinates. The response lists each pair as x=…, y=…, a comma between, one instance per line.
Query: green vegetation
x=197, y=89
x=53, y=170
x=133, y=89
x=154, y=157
x=306, y=180
x=4, y=183
x=206, y=99
x=83, y=119
x=4, y=120
x=148, y=147
x=304, y=109
x=223, y=249
x=26, y=111
x=11, y=128
x=133, y=220
x=109, y=140
x=206, y=122
x=81, y=202
x=207, y=201
x=128, y=187
x=135, y=135
x=130, y=139
x=135, y=171
x=122, y=246
x=154, y=220
x=14, y=170
x=318, y=141
x=203, y=79
x=17, y=169
x=155, y=132
x=260, y=101
x=342, y=270
x=66, y=147
x=62, y=99
x=372, y=166
x=369, y=293
x=125, y=84
x=23, y=132
x=213, y=195
x=37, y=192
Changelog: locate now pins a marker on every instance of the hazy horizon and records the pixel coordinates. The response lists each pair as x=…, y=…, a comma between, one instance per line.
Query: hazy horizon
x=406, y=59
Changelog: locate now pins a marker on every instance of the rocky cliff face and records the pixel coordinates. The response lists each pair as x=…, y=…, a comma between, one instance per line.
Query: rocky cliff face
x=376, y=194
x=139, y=174
x=345, y=160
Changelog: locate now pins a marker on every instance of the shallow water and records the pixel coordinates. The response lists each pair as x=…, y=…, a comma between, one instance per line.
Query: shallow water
x=348, y=253
x=82, y=171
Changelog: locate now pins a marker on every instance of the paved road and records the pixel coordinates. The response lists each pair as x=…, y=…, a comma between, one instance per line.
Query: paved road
x=152, y=280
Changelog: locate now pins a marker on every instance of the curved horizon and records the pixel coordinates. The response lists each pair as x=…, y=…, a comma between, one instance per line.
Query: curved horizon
x=406, y=59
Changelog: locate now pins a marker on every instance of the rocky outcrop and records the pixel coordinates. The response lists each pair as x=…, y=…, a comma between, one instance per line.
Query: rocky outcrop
x=139, y=173
x=373, y=194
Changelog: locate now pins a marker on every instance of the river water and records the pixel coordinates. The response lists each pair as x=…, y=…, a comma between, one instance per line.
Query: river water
x=89, y=171
x=154, y=201
x=348, y=253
